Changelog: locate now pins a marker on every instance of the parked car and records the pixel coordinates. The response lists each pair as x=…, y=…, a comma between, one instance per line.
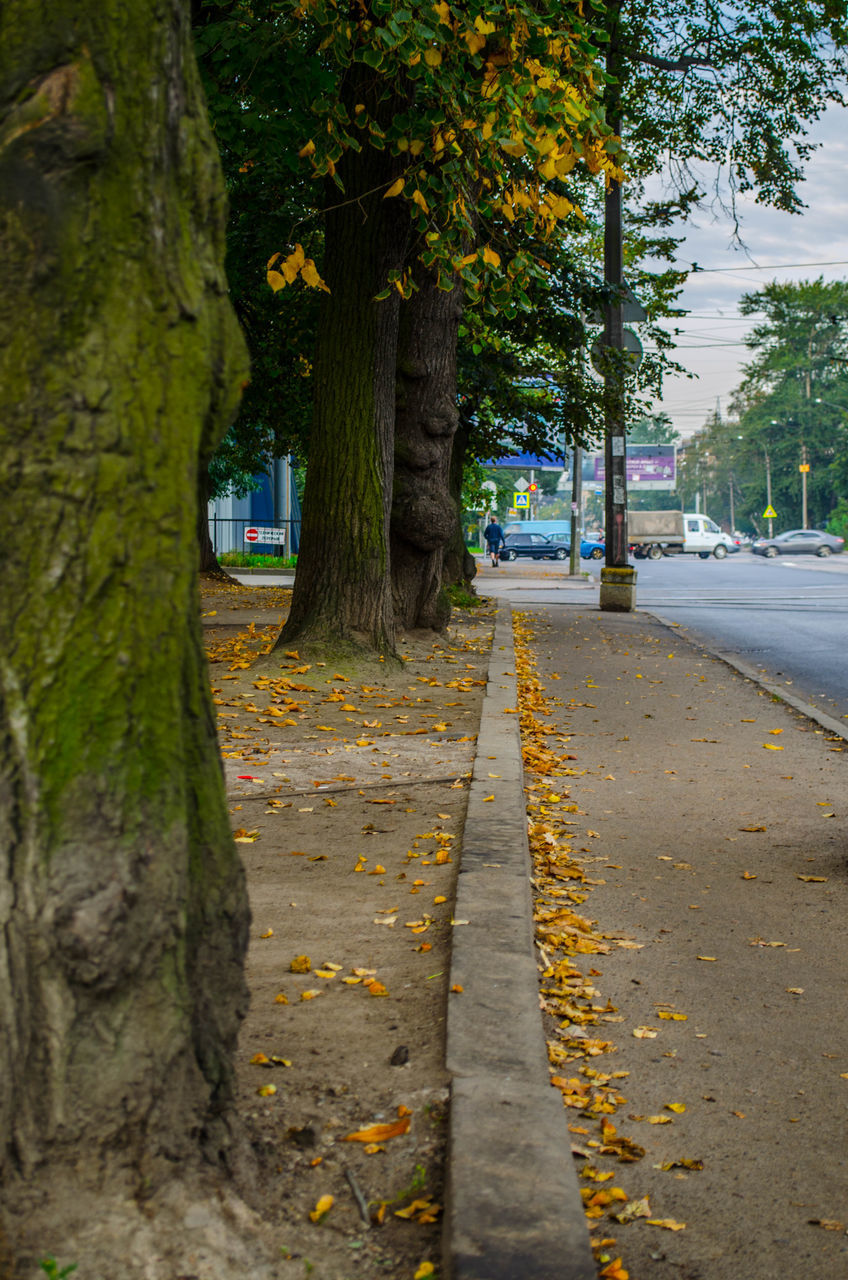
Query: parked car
x=593, y=548
x=539, y=546
x=535, y=545
x=799, y=542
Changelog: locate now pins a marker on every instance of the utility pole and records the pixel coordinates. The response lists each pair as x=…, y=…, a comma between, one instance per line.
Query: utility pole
x=804, y=468
x=618, y=578
x=576, y=495
x=768, y=491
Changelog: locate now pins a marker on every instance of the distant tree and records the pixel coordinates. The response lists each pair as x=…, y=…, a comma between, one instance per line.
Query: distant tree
x=656, y=428
x=793, y=399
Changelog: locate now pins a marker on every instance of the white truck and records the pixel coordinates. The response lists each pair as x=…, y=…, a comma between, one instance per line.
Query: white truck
x=653, y=534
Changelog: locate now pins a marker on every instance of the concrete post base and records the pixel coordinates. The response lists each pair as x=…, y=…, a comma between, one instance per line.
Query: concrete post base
x=618, y=590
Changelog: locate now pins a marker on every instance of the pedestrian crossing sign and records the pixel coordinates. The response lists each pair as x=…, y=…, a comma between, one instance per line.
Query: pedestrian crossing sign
x=521, y=500
x=769, y=513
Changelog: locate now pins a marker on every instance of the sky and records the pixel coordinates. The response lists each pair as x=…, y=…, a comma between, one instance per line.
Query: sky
x=777, y=246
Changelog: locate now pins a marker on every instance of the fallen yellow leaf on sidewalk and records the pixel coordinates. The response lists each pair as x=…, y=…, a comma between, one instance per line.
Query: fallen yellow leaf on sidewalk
x=321, y=1209
x=379, y=1132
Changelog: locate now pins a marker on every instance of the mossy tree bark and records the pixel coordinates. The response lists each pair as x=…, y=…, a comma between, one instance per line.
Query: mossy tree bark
x=423, y=511
x=122, y=905
x=342, y=592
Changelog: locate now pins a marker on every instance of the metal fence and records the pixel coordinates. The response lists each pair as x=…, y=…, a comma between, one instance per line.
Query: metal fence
x=264, y=537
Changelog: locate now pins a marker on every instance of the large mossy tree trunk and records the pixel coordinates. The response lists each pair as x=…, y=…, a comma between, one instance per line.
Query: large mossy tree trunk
x=342, y=591
x=123, y=914
x=423, y=511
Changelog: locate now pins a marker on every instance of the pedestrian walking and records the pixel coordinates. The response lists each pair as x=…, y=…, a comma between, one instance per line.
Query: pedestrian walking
x=494, y=540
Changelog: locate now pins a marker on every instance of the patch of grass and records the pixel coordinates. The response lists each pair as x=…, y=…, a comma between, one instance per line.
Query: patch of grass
x=462, y=598
x=254, y=560
x=53, y=1271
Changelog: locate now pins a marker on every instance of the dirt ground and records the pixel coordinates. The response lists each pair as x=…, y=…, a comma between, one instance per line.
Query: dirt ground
x=347, y=797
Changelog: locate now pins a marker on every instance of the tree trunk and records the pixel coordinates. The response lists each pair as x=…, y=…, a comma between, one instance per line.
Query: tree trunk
x=123, y=913
x=423, y=512
x=459, y=568
x=208, y=559
x=342, y=591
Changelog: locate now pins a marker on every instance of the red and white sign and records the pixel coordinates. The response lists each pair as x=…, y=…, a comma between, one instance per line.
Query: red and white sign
x=262, y=534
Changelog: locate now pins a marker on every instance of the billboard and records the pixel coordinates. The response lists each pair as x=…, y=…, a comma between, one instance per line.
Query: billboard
x=648, y=466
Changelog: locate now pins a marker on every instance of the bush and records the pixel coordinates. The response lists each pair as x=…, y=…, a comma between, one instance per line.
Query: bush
x=838, y=520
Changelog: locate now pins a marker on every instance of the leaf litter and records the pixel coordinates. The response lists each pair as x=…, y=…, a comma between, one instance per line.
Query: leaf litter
x=351, y=1032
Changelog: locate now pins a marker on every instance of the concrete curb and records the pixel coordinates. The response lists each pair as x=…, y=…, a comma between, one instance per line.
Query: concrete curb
x=513, y=1207
x=836, y=727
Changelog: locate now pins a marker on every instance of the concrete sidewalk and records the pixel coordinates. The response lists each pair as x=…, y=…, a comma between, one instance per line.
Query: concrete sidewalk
x=712, y=818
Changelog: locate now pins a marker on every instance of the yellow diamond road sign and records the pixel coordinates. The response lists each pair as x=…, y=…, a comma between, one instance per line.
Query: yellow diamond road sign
x=769, y=513
x=521, y=499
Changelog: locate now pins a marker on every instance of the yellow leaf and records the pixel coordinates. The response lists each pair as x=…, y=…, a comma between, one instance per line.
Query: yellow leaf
x=418, y=199
x=432, y=57
x=712, y=959
x=632, y=1210
x=394, y=190
x=426, y=1269
x=309, y=275
x=645, y=1033
x=281, y=999
x=311, y=994
x=668, y=1223
x=772, y=746
x=485, y=27
x=325, y=973
x=275, y=280
x=380, y=1132
x=812, y=879
x=308, y=150
x=260, y=1060
x=457, y=988
x=677, y=1107
x=422, y=1210
x=475, y=43
x=267, y=1090
x=487, y=799
x=443, y=10
x=492, y=258
x=300, y=964
x=321, y=1209
x=269, y=933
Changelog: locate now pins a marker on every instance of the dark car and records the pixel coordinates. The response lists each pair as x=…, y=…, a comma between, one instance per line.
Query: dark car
x=799, y=542
x=535, y=545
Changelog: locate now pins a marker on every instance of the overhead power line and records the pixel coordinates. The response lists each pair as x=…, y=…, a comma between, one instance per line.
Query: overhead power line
x=751, y=266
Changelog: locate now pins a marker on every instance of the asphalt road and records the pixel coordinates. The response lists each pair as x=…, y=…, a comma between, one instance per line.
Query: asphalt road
x=786, y=617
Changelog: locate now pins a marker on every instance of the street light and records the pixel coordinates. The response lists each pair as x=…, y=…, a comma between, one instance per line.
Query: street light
x=803, y=467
